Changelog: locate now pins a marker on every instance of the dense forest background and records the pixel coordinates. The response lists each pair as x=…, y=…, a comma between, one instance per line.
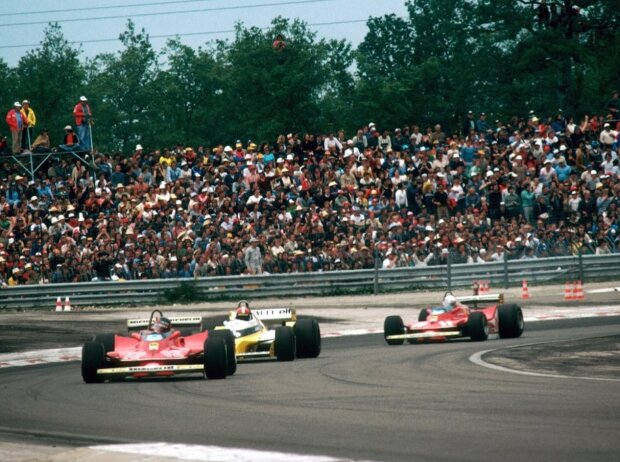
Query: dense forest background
x=505, y=57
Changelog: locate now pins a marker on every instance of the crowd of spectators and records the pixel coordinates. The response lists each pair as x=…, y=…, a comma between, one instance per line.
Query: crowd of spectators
x=518, y=189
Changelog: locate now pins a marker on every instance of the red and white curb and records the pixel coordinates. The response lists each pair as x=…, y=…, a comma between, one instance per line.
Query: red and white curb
x=210, y=453
x=31, y=358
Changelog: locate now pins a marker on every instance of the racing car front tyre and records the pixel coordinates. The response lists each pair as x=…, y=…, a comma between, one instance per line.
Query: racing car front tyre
x=393, y=325
x=107, y=340
x=477, y=326
x=93, y=358
x=215, y=358
x=229, y=339
x=511, y=323
x=308, y=338
x=284, y=344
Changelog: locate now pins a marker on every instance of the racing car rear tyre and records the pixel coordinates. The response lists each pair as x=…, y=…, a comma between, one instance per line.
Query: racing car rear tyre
x=93, y=358
x=107, y=340
x=308, y=338
x=393, y=325
x=285, y=343
x=423, y=315
x=215, y=358
x=511, y=323
x=229, y=339
x=477, y=326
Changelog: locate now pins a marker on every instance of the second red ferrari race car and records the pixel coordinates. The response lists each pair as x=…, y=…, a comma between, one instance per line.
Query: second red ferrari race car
x=455, y=319
x=154, y=349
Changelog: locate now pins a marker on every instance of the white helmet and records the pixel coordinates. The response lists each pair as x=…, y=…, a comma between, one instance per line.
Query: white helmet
x=449, y=300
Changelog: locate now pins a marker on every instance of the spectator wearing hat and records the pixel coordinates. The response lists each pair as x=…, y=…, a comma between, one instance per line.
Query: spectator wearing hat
x=608, y=136
x=31, y=120
x=469, y=124
x=83, y=120
x=17, y=123
x=42, y=143
x=71, y=142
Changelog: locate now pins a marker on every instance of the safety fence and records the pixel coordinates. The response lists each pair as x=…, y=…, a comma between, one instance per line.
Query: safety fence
x=508, y=273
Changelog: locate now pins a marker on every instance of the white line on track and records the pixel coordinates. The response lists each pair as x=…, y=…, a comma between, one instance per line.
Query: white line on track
x=211, y=453
x=476, y=358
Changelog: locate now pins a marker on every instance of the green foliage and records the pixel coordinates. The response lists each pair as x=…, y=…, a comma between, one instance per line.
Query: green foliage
x=444, y=58
x=122, y=92
x=185, y=292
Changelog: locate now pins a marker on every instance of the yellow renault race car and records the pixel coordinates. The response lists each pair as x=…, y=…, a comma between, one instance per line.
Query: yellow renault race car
x=271, y=333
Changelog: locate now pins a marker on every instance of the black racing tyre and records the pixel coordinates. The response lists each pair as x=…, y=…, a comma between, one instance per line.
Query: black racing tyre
x=107, y=340
x=511, y=324
x=285, y=343
x=477, y=326
x=93, y=358
x=423, y=315
x=393, y=325
x=229, y=339
x=307, y=338
x=215, y=358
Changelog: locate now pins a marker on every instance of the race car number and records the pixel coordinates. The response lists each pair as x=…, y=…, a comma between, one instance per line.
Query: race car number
x=153, y=346
x=172, y=354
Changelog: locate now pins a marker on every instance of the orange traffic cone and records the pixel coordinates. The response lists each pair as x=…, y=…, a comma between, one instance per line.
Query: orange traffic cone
x=525, y=294
x=568, y=291
x=67, y=304
x=578, y=293
x=58, y=304
x=487, y=286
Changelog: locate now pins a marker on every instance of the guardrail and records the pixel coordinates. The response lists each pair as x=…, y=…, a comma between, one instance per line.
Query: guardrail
x=500, y=274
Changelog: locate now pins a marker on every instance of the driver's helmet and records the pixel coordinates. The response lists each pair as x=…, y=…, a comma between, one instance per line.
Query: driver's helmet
x=449, y=301
x=243, y=311
x=162, y=325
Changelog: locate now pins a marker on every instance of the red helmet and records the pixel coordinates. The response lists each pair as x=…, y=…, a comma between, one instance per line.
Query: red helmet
x=244, y=313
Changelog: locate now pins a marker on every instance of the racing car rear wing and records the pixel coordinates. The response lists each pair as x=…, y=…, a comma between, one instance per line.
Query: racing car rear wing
x=275, y=316
x=139, y=324
x=475, y=300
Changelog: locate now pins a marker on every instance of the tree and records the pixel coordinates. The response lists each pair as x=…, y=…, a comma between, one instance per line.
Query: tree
x=188, y=89
x=268, y=92
x=123, y=89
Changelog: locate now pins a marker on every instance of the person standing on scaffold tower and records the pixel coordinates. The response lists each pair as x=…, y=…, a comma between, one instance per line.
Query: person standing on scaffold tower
x=83, y=121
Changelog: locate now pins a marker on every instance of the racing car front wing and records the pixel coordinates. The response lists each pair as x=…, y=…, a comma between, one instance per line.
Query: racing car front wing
x=254, y=355
x=427, y=334
x=174, y=368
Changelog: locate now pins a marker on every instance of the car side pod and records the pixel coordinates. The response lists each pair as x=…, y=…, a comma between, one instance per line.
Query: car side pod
x=393, y=325
x=215, y=358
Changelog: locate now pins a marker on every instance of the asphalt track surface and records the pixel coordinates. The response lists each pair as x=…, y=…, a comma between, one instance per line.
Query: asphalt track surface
x=361, y=399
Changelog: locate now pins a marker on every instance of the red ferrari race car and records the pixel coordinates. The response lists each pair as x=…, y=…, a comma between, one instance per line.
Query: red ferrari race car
x=454, y=319
x=159, y=351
